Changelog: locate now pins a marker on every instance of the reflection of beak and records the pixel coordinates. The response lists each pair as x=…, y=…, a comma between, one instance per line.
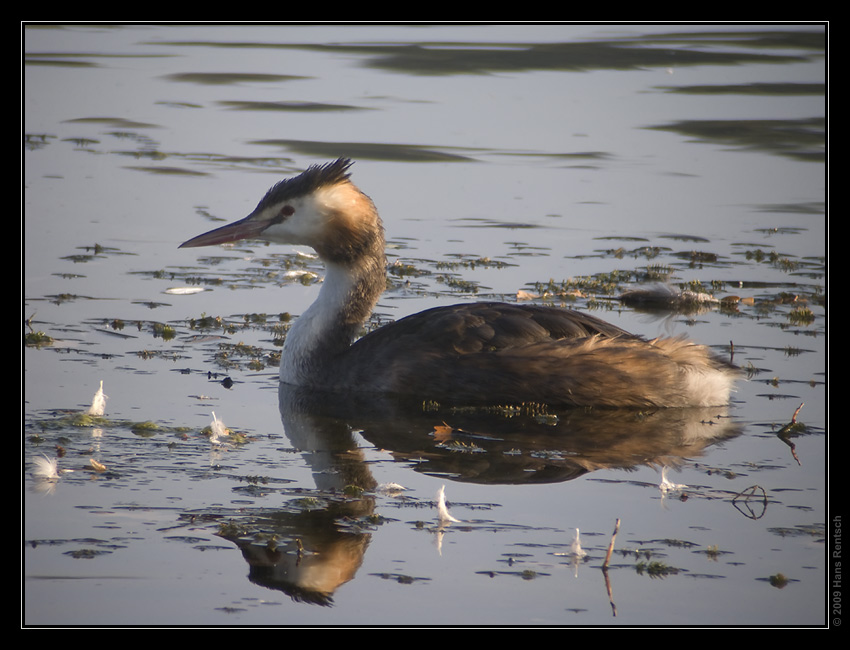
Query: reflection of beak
x=247, y=228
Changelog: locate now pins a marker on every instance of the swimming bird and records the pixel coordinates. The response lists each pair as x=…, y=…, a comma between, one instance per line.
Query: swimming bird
x=475, y=353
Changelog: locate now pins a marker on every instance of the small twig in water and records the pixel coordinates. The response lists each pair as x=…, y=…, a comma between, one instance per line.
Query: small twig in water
x=745, y=495
x=785, y=432
x=611, y=545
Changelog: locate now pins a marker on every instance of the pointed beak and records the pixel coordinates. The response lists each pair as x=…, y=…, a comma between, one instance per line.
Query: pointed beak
x=247, y=228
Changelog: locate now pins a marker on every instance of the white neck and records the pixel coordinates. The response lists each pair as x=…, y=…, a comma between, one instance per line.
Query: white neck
x=325, y=331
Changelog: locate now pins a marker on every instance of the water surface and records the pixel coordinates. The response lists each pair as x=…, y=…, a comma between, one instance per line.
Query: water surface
x=559, y=164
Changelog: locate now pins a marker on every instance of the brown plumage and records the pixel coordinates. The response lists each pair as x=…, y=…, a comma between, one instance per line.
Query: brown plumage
x=476, y=353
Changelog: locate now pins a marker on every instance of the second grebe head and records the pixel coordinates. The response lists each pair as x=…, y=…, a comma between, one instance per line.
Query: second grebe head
x=320, y=208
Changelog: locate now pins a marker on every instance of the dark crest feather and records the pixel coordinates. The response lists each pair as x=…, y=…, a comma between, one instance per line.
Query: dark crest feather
x=308, y=181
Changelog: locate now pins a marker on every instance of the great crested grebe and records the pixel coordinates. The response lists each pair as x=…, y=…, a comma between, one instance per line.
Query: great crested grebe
x=494, y=353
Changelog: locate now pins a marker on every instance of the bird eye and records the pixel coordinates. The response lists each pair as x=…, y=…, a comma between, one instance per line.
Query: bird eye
x=287, y=211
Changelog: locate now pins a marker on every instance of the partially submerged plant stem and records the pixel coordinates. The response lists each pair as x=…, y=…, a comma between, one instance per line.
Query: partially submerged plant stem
x=611, y=545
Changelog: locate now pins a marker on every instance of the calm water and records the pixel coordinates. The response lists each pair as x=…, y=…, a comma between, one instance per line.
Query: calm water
x=561, y=164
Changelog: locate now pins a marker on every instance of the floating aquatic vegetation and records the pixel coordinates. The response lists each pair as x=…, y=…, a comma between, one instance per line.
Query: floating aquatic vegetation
x=144, y=429
x=655, y=569
x=713, y=552
x=85, y=553
x=163, y=331
x=230, y=355
x=37, y=339
x=779, y=581
x=400, y=578
x=801, y=316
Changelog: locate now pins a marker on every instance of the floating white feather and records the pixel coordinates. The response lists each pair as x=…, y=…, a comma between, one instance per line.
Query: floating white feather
x=443, y=512
x=98, y=403
x=217, y=430
x=184, y=291
x=575, y=547
x=46, y=468
x=667, y=486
